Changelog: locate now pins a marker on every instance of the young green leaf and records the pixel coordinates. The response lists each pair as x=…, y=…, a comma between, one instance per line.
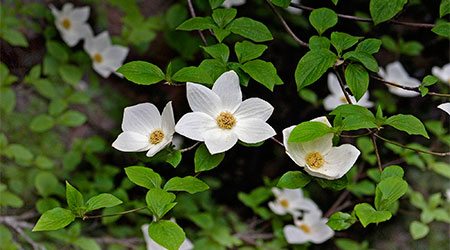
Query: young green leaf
x=418, y=230
x=204, y=161
x=144, y=177
x=338, y=184
x=8, y=100
x=319, y=42
x=197, y=23
x=14, y=37
x=141, y=72
x=72, y=118
x=308, y=131
x=388, y=191
x=312, y=66
x=340, y=221
x=363, y=57
x=74, y=197
x=70, y=74
x=281, y=3
x=342, y=41
x=392, y=170
x=189, y=184
x=218, y=51
x=54, y=219
x=367, y=214
x=246, y=51
x=357, y=79
x=323, y=19
x=167, y=234
x=442, y=29
x=262, y=72
x=383, y=10
x=407, y=123
x=222, y=17
x=370, y=45
x=159, y=202
x=192, y=74
x=101, y=201
x=221, y=34
x=444, y=8
x=251, y=29
x=293, y=180
x=42, y=123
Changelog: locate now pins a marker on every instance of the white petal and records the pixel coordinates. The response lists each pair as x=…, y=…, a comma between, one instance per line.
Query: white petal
x=141, y=118
x=402, y=92
x=295, y=235
x=331, y=102
x=382, y=73
x=187, y=245
x=254, y=108
x=333, y=84
x=321, y=232
x=364, y=101
x=168, y=120
x=80, y=14
x=337, y=162
x=202, y=99
x=70, y=38
x=97, y=44
x=445, y=107
x=131, y=142
x=192, y=125
x=277, y=208
x=321, y=145
x=322, y=119
x=67, y=8
x=231, y=3
x=304, y=204
x=227, y=87
x=114, y=56
x=103, y=70
x=158, y=147
x=56, y=13
x=253, y=130
x=396, y=70
x=294, y=150
x=219, y=140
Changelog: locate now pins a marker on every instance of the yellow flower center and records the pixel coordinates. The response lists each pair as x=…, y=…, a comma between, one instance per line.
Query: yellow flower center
x=156, y=136
x=284, y=203
x=305, y=228
x=314, y=160
x=226, y=120
x=343, y=99
x=98, y=58
x=66, y=23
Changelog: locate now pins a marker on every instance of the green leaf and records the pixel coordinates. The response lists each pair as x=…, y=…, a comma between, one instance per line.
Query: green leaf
x=263, y=72
x=72, y=118
x=281, y=3
x=54, y=219
x=323, y=19
x=9, y=199
x=45, y=88
x=57, y=106
x=367, y=214
x=215, y=3
x=14, y=37
x=58, y=51
x=197, y=23
x=392, y=170
x=388, y=191
x=204, y=161
x=159, y=202
x=18, y=152
x=141, y=72
x=250, y=29
x=42, y=123
x=218, y=51
x=444, y=8
x=167, y=234
x=442, y=168
x=74, y=197
x=442, y=29
x=101, y=201
x=86, y=244
x=8, y=99
x=312, y=66
x=370, y=45
x=144, y=177
x=383, y=10
x=338, y=184
x=364, y=187
x=192, y=74
x=70, y=74
x=410, y=48
x=293, y=180
x=319, y=42
x=246, y=51
x=355, y=117
x=418, y=230
x=429, y=80
x=340, y=221
x=363, y=57
x=342, y=41
x=221, y=33
x=174, y=158
x=357, y=79
x=308, y=131
x=189, y=184
x=222, y=17
x=407, y=123
x=46, y=183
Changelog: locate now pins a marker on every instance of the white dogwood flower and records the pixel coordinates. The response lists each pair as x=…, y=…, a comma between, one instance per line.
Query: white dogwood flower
x=144, y=129
x=311, y=228
x=106, y=58
x=231, y=3
x=290, y=201
x=395, y=73
x=152, y=245
x=319, y=157
x=445, y=107
x=442, y=73
x=337, y=98
x=220, y=116
x=71, y=23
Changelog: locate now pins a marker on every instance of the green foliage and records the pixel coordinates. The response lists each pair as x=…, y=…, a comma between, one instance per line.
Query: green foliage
x=367, y=214
x=407, y=123
x=355, y=117
x=342, y=41
x=442, y=29
x=263, y=72
x=337, y=184
x=363, y=57
x=222, y=17
x=218, y=51
x=102, y=201
x=312, y=66
x=357, y=79
x=144, y=177
x=246, y=51
x=204, y=161
x=308, y=131
x=159, y=202
x=293, y=180
x=340, y=221
x=383, y=10
x=74, y=197
x=189, y=184
x=54, y=219
x=142, y=72
x=319, y=42
x=418, y=230
x=42, y=123
x=192, y=74
x=251, y=29
x=444, y=8
x=322, y=19
x=167, y=234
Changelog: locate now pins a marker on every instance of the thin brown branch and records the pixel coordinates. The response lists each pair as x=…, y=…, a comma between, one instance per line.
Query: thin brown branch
x=411, y=148
x=374, y=141
x=369, y=20
x=415, y=89
x=286, y=26
x=192, y=11
x=336, y=204
x=189, y=148
x=277, y=141
x=87, y=217
x=18, y=226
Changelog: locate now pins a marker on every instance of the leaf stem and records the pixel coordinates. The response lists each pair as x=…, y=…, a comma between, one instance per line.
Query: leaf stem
x=416, y=89
x=189, y=148
x=410, y=148
x=374, y=141
x=277, y=141
x=192, y=11
x=86, y=217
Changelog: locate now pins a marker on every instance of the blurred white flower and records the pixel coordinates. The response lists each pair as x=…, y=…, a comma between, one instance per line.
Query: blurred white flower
x=445, y=107
x=231, y=3
x=71, y=23
x=144, y=129
x=319, y=157
x=337, y=98
x=447, y=194
x=395, y=73
x=106, y=58
x=290, y=201
x=220, y=116
x=152, y=245
x=294, y=10
x=311, y=228
x=442, y=73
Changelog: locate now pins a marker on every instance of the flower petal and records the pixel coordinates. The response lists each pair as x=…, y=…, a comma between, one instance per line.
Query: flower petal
x=228, y=89
x=219, y=140
x=192, y=125
x=155, y=148
x=277, y=208
x=331, y=102
x=294, y=150
x=364, y=101
x=102, y=70
x=403, y=92
x=254, y=108
x=97, y=44
x=202, y=99
x=131, y=142
x=333, y=84
x=80, y=14
x=253, y=130
x=66, y=9
x=445, y=107
x=141, y=118
x=337, y=162
x=56, y=13
x=168, y=120
x=395, y=70
x=114, y=56
x=295, y=235
x=321, y=232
